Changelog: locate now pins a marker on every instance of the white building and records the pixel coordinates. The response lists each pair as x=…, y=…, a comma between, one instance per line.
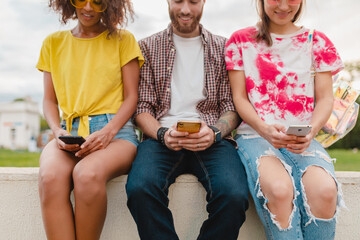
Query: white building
x=19, y=124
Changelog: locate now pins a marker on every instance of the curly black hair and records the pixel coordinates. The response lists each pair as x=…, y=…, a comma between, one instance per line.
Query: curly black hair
x=116, y=14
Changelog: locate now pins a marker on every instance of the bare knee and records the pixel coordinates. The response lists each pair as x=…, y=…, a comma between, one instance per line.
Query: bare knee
x=275, y=180
x=47, y=181
x=53, y=186
x=281, y=191
x=55, y=173
x=328, y=193
x=277, y=187
x=321, y=192
x=88, y=184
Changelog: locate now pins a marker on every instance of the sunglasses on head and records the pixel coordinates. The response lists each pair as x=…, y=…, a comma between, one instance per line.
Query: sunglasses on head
x=277, y=2
x=96, y=5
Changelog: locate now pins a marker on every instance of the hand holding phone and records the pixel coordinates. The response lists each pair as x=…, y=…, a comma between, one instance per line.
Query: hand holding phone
x=298, y=130
x=72, y=139
x=188, y=126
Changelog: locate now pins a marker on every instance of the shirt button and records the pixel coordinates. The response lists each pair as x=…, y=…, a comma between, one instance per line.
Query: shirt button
x=173, y=49
x=89, y=118
x=168, y=89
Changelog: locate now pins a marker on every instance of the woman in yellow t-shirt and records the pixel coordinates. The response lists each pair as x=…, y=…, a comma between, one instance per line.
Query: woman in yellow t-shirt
x=91, y=72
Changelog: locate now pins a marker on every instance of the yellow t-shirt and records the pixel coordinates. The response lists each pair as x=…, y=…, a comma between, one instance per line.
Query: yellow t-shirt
x=86, y=73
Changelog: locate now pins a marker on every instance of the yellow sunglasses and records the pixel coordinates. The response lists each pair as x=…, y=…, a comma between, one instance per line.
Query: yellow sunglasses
x=290, y=2
x=97, y=5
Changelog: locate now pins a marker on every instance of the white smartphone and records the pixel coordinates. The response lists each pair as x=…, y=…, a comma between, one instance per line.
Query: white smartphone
x=298, y=130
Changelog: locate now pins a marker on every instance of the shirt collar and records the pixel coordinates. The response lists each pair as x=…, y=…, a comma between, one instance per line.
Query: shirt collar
x=203, y=33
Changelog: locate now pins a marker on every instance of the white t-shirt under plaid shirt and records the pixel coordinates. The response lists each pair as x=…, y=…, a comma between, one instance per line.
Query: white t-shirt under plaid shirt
x=278, y=78
x=155, y=76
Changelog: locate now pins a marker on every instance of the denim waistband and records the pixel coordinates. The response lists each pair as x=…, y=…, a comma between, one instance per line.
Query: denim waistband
x=107, y=116
x=101, y=117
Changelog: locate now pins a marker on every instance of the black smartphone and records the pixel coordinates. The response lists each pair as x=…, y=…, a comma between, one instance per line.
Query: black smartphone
x=72, y=139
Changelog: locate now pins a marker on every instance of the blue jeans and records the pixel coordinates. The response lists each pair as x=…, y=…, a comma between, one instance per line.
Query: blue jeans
x=303, y=224
x=218, y=168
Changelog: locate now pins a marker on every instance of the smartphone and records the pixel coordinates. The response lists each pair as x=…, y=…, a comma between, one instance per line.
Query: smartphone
x=72, y=139
x=298, y=130
x=188, y=126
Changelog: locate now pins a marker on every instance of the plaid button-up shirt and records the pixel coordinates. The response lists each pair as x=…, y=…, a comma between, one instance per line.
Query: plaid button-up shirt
x=155, y=76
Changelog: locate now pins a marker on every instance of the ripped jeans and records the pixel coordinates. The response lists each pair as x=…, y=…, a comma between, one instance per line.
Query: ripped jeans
x=302, y=223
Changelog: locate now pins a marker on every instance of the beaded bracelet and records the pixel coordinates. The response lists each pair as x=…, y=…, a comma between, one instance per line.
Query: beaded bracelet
x=161, y=134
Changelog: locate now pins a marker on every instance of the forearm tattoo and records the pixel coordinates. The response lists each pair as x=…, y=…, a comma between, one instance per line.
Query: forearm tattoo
x=227, y=122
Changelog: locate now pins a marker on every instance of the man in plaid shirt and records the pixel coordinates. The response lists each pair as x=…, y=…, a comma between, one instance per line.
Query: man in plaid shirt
x=184, y=78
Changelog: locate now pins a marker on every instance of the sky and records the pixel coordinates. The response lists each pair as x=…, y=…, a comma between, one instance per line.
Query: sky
x=25, y=23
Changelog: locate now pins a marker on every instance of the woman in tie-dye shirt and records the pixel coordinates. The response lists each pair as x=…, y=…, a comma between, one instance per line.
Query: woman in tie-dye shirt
x=291, y=178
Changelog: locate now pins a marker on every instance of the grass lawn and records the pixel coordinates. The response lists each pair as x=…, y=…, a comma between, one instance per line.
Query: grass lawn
x=347, y=160
x=10, y=158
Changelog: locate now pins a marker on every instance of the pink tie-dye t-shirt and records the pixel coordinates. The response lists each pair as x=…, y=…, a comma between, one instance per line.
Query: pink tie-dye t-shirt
x=278, y=78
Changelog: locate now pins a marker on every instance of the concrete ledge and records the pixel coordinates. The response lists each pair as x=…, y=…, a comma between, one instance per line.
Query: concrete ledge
x=21, y=216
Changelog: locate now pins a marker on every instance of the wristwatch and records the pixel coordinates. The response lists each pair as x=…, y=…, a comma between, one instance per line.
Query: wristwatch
x=217, y=133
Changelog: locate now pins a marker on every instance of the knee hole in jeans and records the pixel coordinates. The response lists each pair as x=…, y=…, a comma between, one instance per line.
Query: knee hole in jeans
x=320, y=196
x=277, y=188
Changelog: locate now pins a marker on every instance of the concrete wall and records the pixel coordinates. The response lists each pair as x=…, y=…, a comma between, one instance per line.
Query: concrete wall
x=20, y=217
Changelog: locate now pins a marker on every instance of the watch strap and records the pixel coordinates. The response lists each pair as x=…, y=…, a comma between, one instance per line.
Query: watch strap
x=217, y=133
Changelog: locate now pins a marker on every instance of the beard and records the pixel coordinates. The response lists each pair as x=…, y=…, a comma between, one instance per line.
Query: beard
x=185, y=29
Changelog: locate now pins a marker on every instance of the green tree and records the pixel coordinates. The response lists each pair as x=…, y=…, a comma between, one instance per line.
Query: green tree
x=43, y=124
x=352, y=67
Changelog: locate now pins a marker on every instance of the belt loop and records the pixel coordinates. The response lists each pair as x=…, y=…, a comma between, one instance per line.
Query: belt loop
x=108, y=117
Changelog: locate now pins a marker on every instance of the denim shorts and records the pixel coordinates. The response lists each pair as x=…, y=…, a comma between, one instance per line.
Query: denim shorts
x=97, y=122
